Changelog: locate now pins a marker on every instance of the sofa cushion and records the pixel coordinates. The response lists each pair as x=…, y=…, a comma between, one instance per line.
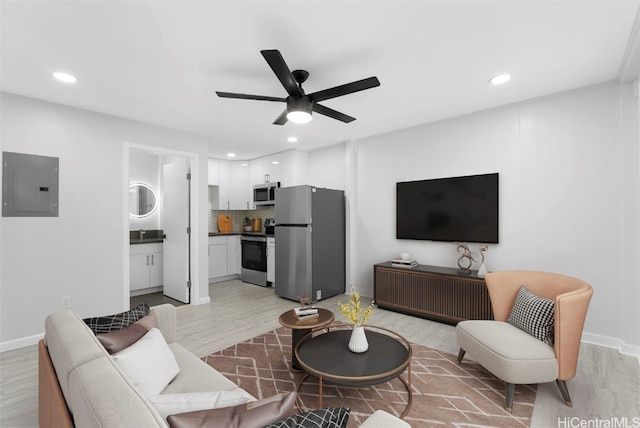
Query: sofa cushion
x=508, y=352
x=533, y=314
x=109, y=323
x=171, y=404
x=101, y=397
x=116, y=341
x=332, y=417
x=252, y=415
x=148, y=363
x=195, y=375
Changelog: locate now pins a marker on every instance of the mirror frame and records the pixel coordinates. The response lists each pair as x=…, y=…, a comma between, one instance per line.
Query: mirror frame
x=152, y=190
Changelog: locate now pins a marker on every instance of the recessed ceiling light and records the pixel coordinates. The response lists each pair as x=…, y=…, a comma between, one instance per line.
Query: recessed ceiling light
x=231, y=155
x=292, y=139
x=65, y=77
x=275, y=162
x=500, y=79
x=244, y=164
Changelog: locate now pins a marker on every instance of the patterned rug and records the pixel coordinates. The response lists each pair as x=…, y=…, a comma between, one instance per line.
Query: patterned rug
x=445, y=393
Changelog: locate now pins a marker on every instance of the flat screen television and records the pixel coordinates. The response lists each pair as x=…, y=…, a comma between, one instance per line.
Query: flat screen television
x=454, y=209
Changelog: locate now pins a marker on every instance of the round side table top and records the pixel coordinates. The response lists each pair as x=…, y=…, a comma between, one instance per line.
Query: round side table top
x=288, y=319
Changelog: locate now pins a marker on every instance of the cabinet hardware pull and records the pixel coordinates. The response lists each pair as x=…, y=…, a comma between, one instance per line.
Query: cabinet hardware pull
x=147, y=259
x=152, y=259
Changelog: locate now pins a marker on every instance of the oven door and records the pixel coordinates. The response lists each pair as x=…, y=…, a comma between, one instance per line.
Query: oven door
x=254, y=253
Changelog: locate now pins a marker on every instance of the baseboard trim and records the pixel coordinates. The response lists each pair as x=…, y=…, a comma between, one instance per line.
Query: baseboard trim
x=611, y=342
x=22, y=342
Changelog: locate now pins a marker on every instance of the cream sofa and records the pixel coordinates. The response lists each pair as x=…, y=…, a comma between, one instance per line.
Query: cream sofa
x=80, y=384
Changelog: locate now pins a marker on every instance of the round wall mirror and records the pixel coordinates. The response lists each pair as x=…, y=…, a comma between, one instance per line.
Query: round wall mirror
x=143, y=200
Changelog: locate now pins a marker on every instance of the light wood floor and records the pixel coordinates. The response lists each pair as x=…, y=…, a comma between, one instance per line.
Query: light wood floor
x=606, y=386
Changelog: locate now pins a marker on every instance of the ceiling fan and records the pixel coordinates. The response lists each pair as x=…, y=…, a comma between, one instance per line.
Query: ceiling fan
x=299, y=104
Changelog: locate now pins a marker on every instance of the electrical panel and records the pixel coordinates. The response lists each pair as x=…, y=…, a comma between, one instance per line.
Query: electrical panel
x=29, y=185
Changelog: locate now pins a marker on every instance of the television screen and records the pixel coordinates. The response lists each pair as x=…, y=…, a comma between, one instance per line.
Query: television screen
x=455, y=209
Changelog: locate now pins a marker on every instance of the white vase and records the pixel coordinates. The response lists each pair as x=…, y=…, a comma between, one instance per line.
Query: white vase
x=482, y=271
x=358, y=342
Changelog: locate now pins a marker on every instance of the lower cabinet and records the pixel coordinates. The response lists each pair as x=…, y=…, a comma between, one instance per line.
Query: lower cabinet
x=224, y=256
x=433, y=292
x=145, y=266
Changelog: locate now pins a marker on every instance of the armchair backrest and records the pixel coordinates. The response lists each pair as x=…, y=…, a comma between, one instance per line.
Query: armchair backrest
x=571, y=297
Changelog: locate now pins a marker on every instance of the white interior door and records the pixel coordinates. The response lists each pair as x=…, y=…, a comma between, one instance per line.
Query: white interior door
x=175, y=222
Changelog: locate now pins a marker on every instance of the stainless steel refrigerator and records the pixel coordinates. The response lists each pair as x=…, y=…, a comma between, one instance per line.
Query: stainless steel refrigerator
x=310, y=242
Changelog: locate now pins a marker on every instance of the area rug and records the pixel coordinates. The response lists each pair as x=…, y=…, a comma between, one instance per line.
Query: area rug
x=445, y=393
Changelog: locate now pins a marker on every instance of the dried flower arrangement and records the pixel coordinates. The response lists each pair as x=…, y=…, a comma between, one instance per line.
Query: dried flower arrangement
x=354, y=312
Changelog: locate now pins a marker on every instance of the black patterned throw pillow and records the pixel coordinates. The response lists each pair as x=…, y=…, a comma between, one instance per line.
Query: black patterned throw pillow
x=533, y=314
x=332, y=417
x=109, y=323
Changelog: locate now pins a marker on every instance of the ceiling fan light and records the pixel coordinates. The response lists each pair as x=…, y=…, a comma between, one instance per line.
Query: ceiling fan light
x=299, y=116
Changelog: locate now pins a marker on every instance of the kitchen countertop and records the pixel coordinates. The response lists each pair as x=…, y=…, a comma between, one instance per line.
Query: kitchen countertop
x=237, y=233
x=145, y=241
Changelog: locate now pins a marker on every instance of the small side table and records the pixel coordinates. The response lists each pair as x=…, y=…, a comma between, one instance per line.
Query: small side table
x=300, y=328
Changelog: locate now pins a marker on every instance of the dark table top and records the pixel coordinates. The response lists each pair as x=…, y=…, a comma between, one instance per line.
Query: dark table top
x=328, y=355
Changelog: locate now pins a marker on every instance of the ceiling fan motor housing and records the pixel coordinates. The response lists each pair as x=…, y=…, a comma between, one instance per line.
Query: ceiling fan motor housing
x=303, y=103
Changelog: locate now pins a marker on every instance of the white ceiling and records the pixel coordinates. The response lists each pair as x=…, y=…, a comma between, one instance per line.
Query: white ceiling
x=161, y=62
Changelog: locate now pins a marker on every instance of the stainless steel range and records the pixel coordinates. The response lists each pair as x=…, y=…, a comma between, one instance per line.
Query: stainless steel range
x=254, y=259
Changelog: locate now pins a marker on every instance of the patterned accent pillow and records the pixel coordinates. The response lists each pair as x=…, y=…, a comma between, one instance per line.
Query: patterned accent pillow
x=118, y=340
x=332, y=417
x=533, y=314
x=110, y=323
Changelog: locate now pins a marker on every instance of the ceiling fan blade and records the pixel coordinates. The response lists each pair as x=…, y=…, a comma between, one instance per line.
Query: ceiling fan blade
x=349, y=88
x=279, y=67
x=249, y=97
x=282, y=119
x=332, y=113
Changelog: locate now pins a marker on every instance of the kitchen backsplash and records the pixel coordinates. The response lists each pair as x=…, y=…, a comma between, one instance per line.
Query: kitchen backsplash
x=237, y=216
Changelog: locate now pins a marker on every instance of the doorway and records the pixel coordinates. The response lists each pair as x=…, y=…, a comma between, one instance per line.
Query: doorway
x=169, y=173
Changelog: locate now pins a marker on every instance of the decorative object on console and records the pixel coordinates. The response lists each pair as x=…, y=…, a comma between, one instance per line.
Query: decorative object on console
x=405, y=263
x=466, y=259
x=354, y=312
x=482, y=271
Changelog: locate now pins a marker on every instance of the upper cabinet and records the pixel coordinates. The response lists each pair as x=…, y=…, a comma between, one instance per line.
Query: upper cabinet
x=233, y=185
x=289, y=168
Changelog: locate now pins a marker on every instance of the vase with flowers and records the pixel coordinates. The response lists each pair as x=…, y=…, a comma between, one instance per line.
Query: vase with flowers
x=354, y=312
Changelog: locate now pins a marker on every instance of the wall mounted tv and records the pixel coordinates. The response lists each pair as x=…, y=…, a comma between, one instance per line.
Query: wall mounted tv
x=454, y=209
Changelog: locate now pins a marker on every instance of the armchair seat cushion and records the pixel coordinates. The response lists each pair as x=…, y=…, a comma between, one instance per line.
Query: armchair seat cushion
x=511, y=354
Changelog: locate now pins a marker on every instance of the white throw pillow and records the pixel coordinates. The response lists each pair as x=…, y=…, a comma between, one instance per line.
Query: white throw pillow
x=148, y=363
x=172, y=404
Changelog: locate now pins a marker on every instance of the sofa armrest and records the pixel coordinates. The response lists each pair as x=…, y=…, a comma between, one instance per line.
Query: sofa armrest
x=166, y=316
x=382, y=419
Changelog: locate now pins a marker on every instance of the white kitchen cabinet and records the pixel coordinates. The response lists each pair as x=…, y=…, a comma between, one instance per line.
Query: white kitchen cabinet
x=234, y=185
x=271, y=260
x=233, y=255
x=217, y=256
x=145, y=266
x=213, y=172
x=224, y=256
x=288, y=167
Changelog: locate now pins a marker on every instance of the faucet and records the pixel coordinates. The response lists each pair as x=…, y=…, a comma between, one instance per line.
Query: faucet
x=142, y=232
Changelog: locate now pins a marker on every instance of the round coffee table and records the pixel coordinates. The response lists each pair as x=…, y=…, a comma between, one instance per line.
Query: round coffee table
x=300, y=328
x=327, y=357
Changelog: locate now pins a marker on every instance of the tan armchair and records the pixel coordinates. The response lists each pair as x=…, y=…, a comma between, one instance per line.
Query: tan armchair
x=515, y=356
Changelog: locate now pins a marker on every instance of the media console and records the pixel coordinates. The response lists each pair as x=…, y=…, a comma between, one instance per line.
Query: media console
x=433, y=292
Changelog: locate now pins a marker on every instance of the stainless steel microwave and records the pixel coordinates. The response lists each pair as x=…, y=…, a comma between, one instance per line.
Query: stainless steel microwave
x=265, y=194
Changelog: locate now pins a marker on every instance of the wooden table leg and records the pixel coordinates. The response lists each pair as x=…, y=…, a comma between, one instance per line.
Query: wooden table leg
x=320, y=392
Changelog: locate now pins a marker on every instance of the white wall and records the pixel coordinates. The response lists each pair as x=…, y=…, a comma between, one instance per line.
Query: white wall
x=564, y=196
x=83, y=253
